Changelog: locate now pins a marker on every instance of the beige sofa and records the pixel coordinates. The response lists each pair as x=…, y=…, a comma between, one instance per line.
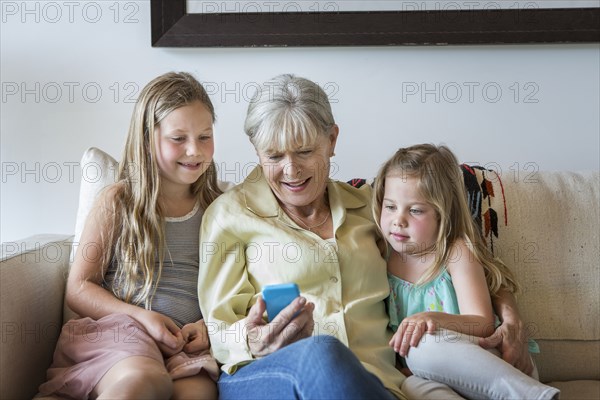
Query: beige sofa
x=547, y=231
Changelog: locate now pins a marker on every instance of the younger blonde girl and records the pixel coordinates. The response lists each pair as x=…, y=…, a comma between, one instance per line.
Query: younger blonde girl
x=134, y=277
x=441, y=276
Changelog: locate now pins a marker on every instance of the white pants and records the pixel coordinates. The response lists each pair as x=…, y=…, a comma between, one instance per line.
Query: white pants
x=456, y=360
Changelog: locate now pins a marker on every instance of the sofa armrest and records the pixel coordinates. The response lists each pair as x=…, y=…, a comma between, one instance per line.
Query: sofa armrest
x=32, y=279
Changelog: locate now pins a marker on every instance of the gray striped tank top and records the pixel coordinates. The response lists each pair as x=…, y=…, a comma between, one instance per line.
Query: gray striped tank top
x=177, y=292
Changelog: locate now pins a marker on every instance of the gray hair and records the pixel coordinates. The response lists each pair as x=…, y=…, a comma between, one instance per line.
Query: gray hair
x=288, y=112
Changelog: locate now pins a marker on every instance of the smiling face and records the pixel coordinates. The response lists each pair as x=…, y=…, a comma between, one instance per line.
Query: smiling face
x=409, y=223
x=298, y=177
x=184, y=144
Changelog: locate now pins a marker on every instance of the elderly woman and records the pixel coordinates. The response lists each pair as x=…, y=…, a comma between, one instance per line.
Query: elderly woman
x=288, y=222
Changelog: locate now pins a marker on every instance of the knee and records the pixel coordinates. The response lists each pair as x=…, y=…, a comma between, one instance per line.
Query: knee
x=328, y=351
x=427, y=354
x=152, y=379
x=135, y=377
x=200, y=387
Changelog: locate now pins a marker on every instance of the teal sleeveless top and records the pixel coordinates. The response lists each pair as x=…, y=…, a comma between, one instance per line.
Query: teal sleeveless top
x=406, y=299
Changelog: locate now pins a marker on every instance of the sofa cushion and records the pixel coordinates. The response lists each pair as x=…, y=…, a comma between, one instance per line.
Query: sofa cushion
x=544, y=226
x=566, y=360
x=552, y=243
x=578, y=390
x=98, y=170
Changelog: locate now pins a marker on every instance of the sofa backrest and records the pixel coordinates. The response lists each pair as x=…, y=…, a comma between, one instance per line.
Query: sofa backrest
x=549, y=236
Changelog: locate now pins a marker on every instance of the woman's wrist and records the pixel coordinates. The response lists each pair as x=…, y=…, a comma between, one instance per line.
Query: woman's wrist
x=505, y=306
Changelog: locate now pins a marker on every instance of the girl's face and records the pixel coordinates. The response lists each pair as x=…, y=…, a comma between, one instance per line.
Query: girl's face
x=184, y=145
x=409, y=223
x=298, y=177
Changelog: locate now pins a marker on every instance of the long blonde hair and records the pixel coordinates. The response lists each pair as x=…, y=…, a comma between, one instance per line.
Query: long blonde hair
x=440, y=182
x=137, y=239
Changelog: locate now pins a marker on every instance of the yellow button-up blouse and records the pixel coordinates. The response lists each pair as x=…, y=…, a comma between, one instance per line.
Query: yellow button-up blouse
x=247, y=242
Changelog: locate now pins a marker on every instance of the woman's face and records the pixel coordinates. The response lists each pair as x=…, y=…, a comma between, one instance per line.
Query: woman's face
x=298, y=177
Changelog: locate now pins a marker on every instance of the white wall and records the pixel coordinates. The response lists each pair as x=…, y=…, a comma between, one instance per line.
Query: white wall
x=67, y=83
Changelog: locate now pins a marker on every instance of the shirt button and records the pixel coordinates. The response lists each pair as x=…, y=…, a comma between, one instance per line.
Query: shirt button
x=333, y=279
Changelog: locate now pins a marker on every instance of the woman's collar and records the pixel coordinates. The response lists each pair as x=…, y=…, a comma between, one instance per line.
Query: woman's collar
x=258, y=196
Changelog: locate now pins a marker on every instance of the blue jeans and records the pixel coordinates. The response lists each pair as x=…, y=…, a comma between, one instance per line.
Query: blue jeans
x=319, y=367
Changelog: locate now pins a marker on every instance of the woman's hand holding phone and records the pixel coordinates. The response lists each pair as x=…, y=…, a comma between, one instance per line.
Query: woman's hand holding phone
x=278, y=297
x=293, y=323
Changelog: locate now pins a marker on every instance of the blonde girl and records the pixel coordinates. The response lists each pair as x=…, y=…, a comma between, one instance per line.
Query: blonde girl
x=134, y=277
x=441, y=276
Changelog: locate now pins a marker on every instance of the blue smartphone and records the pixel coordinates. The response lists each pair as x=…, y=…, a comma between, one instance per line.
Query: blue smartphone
x=279, y=297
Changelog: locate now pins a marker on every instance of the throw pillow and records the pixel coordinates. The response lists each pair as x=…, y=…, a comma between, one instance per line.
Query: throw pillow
x=98, y=170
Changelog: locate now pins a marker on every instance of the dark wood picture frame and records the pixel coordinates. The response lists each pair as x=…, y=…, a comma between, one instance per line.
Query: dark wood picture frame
x=172, y=26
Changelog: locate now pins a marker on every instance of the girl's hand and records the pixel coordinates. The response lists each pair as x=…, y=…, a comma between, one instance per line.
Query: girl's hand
x=293, y=323
x=411, y=330
x=163, y=330
x=195, y=336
